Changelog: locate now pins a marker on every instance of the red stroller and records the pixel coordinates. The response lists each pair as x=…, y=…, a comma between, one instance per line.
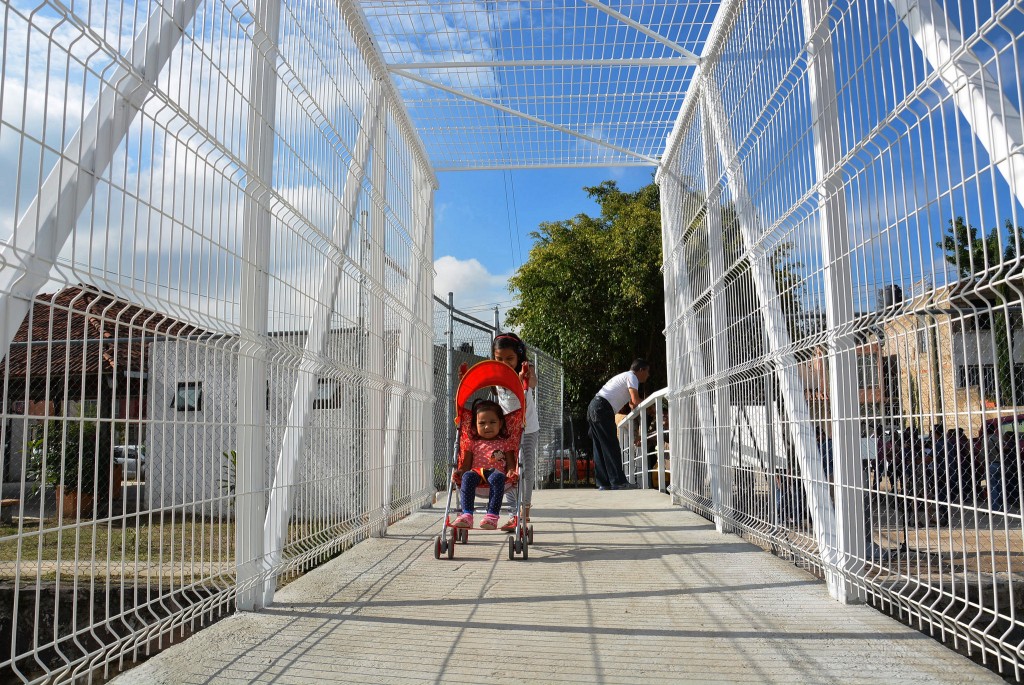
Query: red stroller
x=484, y=375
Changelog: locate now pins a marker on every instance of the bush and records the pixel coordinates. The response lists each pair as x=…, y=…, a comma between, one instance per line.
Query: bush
x=74, y=454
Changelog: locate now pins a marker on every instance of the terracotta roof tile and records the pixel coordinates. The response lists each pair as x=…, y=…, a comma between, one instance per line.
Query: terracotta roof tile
x=84, y=331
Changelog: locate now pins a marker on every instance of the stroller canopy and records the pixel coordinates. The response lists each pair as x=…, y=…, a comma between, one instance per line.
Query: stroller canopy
x=487, y=374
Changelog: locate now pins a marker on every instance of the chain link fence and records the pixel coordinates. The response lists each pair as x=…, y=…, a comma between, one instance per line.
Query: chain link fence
x=462, y=338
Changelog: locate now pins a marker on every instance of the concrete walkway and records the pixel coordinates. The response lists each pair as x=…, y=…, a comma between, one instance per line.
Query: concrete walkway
x=620, y=587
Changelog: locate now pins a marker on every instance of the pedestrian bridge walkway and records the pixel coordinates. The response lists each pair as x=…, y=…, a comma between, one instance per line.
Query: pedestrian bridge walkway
x=619, y=587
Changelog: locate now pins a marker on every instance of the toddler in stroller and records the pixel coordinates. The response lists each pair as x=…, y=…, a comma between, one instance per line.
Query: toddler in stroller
x=484, y=457
x=485, y=460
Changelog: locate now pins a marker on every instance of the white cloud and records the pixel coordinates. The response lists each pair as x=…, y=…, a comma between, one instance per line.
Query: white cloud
x=470, y=281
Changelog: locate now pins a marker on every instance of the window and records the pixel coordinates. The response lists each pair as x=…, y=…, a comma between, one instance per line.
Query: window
x=867, y=371
x=328, y=392
x=189, y=396
x=983, y=377
x=922, y=339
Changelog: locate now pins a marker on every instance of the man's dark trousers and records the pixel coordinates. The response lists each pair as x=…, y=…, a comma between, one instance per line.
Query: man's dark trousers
x=607, y=452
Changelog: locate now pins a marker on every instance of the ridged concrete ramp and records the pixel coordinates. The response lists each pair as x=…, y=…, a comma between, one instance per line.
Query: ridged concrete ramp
x=620, y=587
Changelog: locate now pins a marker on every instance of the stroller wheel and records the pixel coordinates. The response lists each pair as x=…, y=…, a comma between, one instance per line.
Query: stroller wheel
x=526, y=550
x=451, y=549
x=437, y=547
x=529, y=533
x=511, y=547
x=464, y=534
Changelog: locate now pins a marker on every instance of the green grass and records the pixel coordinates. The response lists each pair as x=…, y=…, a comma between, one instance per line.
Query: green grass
x=173, y=546
x=179, y=542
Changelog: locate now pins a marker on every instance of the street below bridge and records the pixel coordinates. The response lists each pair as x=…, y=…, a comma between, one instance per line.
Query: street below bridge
x=620, y=587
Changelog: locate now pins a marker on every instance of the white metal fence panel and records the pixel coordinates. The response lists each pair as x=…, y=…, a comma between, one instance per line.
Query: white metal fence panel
x=216, y=337
x=842, y=201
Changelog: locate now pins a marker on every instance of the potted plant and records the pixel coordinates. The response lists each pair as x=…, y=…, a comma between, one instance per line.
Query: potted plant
x=74, y=458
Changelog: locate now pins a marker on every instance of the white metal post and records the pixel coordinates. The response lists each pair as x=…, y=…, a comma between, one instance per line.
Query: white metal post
x=786, y=367
x=844, y=401
x=47, y=224
x=642, y=452
x=992, y=116
x=427, y=342
x=300, y=409
x=716, y=264
x=251, y=469
x=449, y=412
x=377, y=402
x=660, y=456
x=672, y=372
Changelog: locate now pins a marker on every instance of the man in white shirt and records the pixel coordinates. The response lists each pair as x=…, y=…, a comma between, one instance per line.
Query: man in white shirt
x=620, y=390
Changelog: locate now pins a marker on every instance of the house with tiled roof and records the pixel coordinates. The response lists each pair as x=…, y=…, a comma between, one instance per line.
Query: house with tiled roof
x=79, y=351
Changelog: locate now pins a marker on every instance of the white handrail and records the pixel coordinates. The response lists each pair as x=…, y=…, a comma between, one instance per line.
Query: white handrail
x=635, y=453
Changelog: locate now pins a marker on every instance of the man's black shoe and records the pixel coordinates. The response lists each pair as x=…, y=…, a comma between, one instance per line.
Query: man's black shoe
x=624, y=486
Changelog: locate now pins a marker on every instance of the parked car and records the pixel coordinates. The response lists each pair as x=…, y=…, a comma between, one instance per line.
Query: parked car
x=1006, y=424
x=132, y=459
x=999, y=469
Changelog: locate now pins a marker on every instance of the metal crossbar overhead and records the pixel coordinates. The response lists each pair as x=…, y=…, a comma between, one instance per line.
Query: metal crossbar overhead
x=540, y=83
x=222, y=363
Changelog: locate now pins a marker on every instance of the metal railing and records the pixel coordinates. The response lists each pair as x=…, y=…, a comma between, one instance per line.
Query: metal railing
x=643, y=437
x=842, y=201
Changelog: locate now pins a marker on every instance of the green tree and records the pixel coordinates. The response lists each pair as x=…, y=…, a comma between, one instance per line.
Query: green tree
x=592, y=291
x=988, y=263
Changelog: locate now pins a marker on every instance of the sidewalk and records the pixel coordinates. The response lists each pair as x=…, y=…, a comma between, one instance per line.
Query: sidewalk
x=620, y=587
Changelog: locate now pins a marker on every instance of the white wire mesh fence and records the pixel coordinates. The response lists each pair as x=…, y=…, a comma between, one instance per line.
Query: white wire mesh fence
x=216, y=325
x=460, y=338
x=843, y=248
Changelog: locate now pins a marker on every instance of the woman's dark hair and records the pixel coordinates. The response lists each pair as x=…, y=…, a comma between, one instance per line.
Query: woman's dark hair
x=491, y=406
x=510, y=341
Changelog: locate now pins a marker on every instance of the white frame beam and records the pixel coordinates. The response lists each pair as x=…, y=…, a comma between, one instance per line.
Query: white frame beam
x=670, y=227
x=843, y=382
x=786, y=367
x=377, y=478
x=40, y=234
x=528, y=63
x=400, y=389
x=300, y=411
x=716, y=264
x=522, y=115
x=995, y=120
x=254, y=288
x=620, y=17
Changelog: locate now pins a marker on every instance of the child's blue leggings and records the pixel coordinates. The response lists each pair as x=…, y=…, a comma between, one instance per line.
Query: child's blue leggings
x=470, y=481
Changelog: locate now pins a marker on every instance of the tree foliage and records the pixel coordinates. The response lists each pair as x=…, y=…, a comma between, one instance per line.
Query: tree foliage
x=592, y=291
x=988, y=262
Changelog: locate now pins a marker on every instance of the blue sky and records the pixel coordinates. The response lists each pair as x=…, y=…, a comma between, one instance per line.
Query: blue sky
x=483, y=223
